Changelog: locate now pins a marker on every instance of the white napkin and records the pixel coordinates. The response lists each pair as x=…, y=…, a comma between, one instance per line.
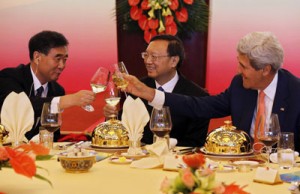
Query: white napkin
x=158, y=152
x=134, y=118
x=17, y=116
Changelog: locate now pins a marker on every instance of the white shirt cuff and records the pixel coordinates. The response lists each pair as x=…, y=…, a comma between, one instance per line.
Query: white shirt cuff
x=158, y=100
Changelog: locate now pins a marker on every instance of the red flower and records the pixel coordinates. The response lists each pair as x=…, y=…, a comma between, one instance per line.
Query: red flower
x=182, y=15
x=171, y=29
x=143, y=22
x=148, y=34
x=133, y=2
x=21, y=162
x=144, y=5
x=194, y=160
x=37, y=149
x=190, y=2
x=3, y=154
x=174, y=5
x=169, y=20
x=153, y=24
x=135, y=13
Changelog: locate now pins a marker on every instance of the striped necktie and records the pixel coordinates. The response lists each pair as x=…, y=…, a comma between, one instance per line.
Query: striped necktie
x=260, y=115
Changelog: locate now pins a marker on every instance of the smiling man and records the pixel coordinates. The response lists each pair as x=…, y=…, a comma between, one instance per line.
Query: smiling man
x=48, y=52
x=163, y=58
x=260, y=57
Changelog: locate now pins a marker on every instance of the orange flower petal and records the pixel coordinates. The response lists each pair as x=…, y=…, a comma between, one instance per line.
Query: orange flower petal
x=149, y=34
x=3, y=154
x=21, y=162
x=153, y=23
x=143, y=22
x=194, y=160
x=144, y=5
x=172, y=29
x=39, y=149
x=169, y=20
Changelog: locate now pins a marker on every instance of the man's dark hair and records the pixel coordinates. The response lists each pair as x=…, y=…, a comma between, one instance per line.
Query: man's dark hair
x=44, y=41
x=175, y=46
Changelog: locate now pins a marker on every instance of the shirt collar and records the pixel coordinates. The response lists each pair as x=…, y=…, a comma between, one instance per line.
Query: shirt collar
x=36, y=81
x=271, y=89
x=170, y=85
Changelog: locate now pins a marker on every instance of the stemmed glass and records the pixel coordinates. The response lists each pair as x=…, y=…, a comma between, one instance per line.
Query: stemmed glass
x=112, y=97
x=98, y=84
x=161, y=124
x=117, y=76
x=269, y=133
x=51, y=118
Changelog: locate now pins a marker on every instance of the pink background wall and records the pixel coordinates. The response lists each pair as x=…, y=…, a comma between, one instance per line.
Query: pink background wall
x=232, y=19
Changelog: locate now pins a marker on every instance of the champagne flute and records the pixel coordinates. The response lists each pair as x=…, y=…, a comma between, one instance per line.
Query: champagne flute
x=51, y=118
x=269, y=133
x=112, y=96
x=98, y=84
x=117, y=76
x=161, y=124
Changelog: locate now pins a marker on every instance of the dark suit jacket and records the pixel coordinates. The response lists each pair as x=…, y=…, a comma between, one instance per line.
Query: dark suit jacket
x=240, y=103
x=19, y=79
x=187, y=131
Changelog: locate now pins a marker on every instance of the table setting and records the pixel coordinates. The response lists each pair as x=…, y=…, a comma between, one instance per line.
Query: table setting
x=138, y=168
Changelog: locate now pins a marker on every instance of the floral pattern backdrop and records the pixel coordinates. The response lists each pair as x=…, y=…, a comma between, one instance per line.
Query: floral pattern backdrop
x=163, y=16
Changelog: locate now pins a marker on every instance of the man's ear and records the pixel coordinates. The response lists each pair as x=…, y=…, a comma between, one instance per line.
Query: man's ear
x=267, y=70
x=36, y=57
x=174, y=60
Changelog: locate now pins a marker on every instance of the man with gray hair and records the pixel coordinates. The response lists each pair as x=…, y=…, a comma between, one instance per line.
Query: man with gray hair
x=260, y=57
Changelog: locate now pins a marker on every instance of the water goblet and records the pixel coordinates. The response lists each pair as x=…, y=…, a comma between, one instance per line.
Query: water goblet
x=161, y=124
x=112, y=97
x=98, y=84
x=117, y=76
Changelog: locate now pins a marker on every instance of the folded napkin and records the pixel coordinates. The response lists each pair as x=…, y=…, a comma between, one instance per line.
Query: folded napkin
x=17, y=116
x=158, y=152
x=134, y=118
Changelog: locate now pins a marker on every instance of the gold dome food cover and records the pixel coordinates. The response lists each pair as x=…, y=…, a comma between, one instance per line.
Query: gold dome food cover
x=110, y=134
x=228, y=140
x=3, y=134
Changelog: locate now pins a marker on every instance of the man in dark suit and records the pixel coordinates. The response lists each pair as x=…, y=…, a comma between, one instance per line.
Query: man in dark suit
x=48, y=51
x=163, y=58
x=260, y=58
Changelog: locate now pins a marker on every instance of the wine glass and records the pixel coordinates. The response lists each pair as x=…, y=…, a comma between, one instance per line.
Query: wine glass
x=51, y=118
x=112, y=97
x=161, y=124
x=98, y=84
x=117, y=76
x=268, y=133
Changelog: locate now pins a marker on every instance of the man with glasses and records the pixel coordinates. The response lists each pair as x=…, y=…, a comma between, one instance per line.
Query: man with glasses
x=163, y=58
x=48, y=52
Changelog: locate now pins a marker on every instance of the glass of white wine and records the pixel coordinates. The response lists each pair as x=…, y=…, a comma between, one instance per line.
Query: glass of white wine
x=117, y=76
x=98, y=84
x=112, y=97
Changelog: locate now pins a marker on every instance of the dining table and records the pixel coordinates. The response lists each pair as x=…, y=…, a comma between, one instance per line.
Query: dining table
x=106, y=177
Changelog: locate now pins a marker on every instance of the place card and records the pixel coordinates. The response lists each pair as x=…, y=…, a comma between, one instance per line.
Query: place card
x=173, y=163
x=267, y=175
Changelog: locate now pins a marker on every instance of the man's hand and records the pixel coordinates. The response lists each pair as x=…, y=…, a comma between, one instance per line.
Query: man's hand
x=80, y=98
x=139, y=89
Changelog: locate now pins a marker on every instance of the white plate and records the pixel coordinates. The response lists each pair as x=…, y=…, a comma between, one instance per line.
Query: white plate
x=117, y=160
x=204, y=151
x=125, y=154
x=246, y=162
x=222, y=168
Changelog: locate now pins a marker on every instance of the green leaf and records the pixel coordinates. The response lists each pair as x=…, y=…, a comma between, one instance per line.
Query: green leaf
x=43, y=179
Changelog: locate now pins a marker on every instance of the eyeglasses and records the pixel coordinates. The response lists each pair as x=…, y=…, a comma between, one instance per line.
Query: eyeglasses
x=154, y=58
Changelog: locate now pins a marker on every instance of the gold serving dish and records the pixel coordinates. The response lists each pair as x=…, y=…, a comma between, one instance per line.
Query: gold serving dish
x=3, y=134
x=110, y=134
x=226, y=140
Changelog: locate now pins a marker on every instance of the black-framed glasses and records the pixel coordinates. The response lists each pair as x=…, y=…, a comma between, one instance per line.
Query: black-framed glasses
x=146, y=55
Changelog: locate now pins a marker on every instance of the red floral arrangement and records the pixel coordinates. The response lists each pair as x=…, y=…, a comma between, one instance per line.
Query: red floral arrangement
x=167, y=16
x=22, y=159
x=192, y=181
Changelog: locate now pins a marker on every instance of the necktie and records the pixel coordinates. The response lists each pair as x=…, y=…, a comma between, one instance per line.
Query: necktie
x=39, y=91
x=161, y=89
x=260, y=115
